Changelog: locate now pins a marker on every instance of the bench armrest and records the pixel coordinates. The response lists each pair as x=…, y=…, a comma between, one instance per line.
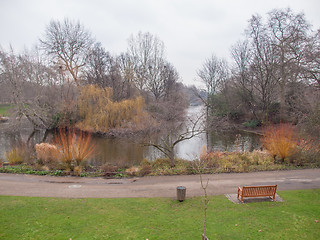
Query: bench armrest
x=239, y=191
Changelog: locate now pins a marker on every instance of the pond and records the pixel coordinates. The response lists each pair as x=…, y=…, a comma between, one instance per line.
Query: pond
x=130, y=151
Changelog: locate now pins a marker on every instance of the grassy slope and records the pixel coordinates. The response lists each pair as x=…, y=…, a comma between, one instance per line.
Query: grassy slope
x=159, y=218
x=4, y=109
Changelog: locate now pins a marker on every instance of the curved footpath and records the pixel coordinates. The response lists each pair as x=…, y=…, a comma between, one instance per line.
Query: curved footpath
x=158, y=186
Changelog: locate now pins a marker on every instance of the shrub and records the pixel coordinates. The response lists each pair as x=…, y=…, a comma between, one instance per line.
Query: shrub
x=235, y=161
x=108, y=169
x=161, y=163
x=73, y=148
x=77, y=170
x=132, y=171
x=307, y=152
x=145, y=170
x=280, y=140
x=47, y=154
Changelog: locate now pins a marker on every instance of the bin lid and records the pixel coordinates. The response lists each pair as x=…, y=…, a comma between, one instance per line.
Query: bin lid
x=181, y=187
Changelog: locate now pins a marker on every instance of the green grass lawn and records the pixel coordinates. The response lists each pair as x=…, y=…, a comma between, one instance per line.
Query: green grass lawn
x=160, y=218
x=4, y=109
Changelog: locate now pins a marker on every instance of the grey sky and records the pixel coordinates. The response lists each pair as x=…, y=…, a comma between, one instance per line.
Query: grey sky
x=192, y=30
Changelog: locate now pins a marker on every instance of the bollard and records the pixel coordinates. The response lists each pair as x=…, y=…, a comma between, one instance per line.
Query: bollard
x=181, y=193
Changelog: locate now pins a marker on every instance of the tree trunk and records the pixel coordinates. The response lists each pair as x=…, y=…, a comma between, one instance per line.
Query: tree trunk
x=282, y=100
x=171, y=157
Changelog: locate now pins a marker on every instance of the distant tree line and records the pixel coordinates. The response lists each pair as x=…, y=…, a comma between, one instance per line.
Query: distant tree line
x=274, y=76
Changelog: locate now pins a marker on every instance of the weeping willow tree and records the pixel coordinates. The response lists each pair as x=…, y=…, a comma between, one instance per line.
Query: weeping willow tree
x=100, y=113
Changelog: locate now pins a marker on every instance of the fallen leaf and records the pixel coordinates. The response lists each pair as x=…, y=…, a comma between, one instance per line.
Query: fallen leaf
x=236, y=225
x=316, y=221
x=260, y=230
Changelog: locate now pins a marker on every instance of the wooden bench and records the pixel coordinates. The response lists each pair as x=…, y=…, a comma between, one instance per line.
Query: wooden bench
x=257, y=191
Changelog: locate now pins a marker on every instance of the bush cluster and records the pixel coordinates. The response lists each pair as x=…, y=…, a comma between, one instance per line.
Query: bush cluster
x=68, y=154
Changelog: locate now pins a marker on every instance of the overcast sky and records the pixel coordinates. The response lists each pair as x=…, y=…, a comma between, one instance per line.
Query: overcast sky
x=192, y=30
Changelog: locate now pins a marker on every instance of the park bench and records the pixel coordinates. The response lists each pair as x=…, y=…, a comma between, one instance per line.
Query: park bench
x=257, y=191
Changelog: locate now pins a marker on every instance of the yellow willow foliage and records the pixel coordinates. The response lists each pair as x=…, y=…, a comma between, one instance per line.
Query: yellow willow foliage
x=100, y=113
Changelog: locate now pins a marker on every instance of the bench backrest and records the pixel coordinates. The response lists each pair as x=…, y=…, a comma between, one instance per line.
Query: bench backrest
x=259, y=190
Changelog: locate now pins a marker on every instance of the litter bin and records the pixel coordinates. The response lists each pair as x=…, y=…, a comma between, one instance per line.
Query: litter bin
x=181, y=193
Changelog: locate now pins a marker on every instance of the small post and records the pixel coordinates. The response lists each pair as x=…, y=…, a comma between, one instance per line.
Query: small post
x=181, y=193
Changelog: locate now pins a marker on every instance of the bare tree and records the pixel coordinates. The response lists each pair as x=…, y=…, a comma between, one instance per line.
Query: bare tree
x=105, y=70
x=170, y=78
x=269, y=61
x=262, y=66
x=213, y=73
x=147, y=56
x=242, y=77
x=126, y=68
x=68, y=43
x=96, y=68
x=289, y=37
x=176, y=133
x=33, y=86
x=200, y=166
x=312, y=61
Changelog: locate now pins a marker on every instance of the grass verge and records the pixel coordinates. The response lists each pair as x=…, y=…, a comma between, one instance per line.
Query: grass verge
x=160, y=218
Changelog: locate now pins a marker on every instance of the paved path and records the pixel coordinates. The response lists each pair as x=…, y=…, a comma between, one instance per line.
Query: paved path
x=160, y=186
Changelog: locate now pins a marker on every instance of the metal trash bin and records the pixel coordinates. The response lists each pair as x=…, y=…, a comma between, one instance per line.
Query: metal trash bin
x=181, y=193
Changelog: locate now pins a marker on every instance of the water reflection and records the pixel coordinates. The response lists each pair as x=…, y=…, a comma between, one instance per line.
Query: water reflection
x=233, y=141
x=120, y=151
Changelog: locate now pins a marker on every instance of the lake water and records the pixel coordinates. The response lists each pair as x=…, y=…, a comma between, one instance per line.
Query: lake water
x=130, y=152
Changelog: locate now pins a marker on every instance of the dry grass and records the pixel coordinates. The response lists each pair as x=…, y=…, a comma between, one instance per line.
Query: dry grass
x=20, y=154
x=15, y=156
x=47, y=154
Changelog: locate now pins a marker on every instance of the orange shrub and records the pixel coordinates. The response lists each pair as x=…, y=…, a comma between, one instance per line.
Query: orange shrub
x=73, y=147
x=280, y=140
